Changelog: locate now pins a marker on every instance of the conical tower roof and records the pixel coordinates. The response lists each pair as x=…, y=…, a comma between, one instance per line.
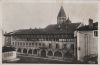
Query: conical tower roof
x=61, y=12
x=68, y=20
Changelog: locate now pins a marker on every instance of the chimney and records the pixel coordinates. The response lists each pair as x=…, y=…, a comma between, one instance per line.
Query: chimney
x=91, y=23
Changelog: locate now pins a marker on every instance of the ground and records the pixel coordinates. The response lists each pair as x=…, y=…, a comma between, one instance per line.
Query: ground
x=33, y=60
x=29, y=59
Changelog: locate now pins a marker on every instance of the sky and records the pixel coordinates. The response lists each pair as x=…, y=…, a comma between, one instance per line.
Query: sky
x=24, y=15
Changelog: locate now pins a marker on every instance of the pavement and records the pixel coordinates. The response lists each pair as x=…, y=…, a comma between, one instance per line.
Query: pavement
x=46, y=58
x=39, y=60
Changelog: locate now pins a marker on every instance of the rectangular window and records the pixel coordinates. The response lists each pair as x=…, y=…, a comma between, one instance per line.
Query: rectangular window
x=13, y=43
x=23, y=43
x=57, y=46
x=72, y=46
x=17, y=43
x=30, y=44
x=39, y=44
x=95, y=33
x=43, y=45
x=65, y=46
x=26, y=43
x=33, y=44
x=50, y=46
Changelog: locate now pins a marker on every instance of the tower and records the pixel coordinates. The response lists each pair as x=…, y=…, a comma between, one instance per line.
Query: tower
x=61, y=16
x=68, y=20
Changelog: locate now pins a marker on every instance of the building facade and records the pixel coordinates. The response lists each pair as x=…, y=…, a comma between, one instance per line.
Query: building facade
x=7, y=39
x=54, y=41
x=87, y=40
x=8, y=53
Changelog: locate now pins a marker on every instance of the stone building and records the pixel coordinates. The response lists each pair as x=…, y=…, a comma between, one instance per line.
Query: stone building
x=7, y=39
x=8, y=53
x=54, y=41
x=87, y=40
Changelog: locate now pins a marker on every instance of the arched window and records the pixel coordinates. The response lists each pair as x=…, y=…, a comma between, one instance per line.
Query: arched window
x=43, y=53
x=68, y=55
x=19, y=50
x=50, y=53
x=25, y=51
x=34, y=51
x=58, y=54
x=30, y=51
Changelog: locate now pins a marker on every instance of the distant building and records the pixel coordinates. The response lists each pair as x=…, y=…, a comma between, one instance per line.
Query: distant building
x=87, y=40
x=7, y=39
x=54, y=41
x=8, y=53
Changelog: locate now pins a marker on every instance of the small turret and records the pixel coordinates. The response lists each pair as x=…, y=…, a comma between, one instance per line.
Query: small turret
x=68, y=21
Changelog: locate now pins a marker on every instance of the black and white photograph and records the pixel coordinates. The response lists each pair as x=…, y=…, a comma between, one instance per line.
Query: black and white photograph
x=50, y=31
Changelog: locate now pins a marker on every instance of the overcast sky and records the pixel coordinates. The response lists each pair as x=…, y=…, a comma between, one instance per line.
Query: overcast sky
x=24, y=15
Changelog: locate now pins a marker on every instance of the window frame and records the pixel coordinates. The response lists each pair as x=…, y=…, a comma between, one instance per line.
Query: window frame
x=95, y=33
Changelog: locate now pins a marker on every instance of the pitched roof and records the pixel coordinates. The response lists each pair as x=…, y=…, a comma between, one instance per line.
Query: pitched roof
x=88, y=28
x=7, y=34
x=51, y=29
x=61, y=12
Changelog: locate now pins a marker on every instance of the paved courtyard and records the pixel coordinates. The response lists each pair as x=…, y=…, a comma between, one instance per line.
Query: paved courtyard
x=34, y=60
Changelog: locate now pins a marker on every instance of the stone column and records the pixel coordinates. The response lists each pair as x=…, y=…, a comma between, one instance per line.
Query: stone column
x=27, y=51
